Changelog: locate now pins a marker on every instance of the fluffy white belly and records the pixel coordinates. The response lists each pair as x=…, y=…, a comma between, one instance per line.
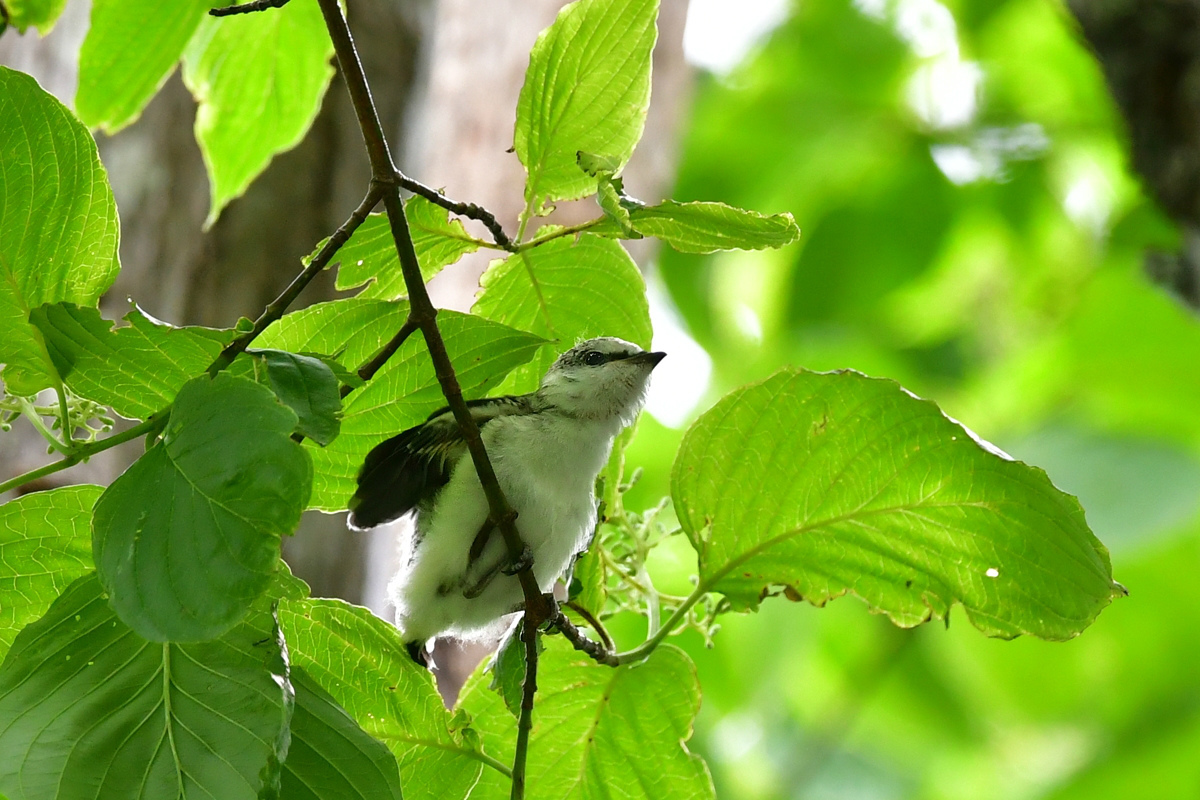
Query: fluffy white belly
x=547, y=472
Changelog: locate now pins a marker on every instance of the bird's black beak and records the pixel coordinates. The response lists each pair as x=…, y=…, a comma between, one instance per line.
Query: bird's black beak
x=648, y=358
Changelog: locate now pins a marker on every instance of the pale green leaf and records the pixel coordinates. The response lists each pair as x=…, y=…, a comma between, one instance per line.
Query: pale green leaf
x=361, y=662
x=829, y=483
x=131, y=49
x=45, y=543
x=188, y=537
x=587, y=89
x=708, y=227
x=41, y=14
x=370, y=254
x=58, y=223
x=330, y=756
x=566, y=290
x=90, y=709
x=352, y=330
x=136, y=369
x=259, y=80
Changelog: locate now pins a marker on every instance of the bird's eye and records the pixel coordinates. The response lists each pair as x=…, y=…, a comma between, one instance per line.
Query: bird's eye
x=593, y=358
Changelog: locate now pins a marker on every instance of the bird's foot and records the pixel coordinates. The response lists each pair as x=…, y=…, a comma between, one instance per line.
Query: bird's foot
x=521, y=562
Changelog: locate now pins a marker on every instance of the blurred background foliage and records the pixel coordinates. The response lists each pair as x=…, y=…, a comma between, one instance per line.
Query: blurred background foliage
x=970, y=228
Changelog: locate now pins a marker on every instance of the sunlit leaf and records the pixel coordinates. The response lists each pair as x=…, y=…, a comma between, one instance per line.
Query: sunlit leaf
x=827, y=483
x=188, y=537
x=587, y=89
x=708, y=227
x=41, y=14
x=90, y=709
x=58, y=223
x=45, y=543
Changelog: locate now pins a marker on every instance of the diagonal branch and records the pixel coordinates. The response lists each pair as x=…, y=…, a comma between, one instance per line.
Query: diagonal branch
x=247, y=8
x=469, y=210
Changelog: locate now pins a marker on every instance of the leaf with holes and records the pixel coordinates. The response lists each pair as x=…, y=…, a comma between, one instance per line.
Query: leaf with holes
x=829, y=483
x=58, y=223
x=94, y=710
x=189, y=536
x=45, y=543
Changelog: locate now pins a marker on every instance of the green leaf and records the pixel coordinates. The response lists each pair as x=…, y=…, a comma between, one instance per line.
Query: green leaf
x=330, y=756
x=131, y=49
x=58, y=223
x=42, y=14
x=587, y=89
x=566, y=290
x=137, y=369
x=608, y=196
x=306, y=385
x=830, y=483
x=370, y=254
x=406, y=391
x=259, y=80
x=708, y=227
x=597, y=729
x=189, y=536
x=508, y=668
x=90, y=709
x=592, y=584
x=45, y=543
x=361, y=662
x=350, y=330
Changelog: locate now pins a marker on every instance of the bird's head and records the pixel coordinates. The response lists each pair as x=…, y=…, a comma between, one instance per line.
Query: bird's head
x=601, y=379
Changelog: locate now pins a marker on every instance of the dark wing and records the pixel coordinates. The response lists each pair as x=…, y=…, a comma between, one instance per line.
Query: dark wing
x=413, y=466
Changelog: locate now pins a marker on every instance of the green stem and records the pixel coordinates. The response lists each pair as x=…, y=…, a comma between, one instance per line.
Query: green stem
x=30, y=413
x=64, y=415
x=647, y=647
x=570, y=230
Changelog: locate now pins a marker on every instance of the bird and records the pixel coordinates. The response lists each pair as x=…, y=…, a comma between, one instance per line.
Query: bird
x=546, y=448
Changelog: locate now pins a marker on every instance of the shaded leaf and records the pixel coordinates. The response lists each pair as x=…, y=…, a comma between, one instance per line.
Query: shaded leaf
x=830, y=483
x=508, y=669
x=330, y=756
x=361, y=662
x=708, y=227
x=58, y=223
x=587, y=89
x=45, y=543
x=306, y=385
x=259, y=80
x=566, y=290
x=131, y=49
x=136, y=369
x=370, y=254
x=188, y=536
x=96, y=711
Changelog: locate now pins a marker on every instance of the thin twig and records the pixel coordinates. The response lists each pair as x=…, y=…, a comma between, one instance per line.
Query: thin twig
x=276, y=308
x=469, y=210
x=368, y=370
x=594, y=621
x=529, y=634
x=247, y=8
x=601, y=653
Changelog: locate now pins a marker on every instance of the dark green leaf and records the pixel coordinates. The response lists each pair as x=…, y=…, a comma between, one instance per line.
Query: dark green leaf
x=360, y=661
x=58, y=223
x=508, y=669
x=137, y=369
x=189, y=536
x=830, y=483
x=45, y=543
x=42, y=14
x=587, y=89
x=370, y=254
x=708, y=227
x=330, y=756
x=131, y=49
x=308, y=386
x=90, y=709
x=259, y=80
x=566, y=290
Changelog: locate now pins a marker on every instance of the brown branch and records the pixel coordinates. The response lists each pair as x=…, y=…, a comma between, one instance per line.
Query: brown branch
x=280, y=304
x=247, y=8
x=376, y=362
x=598, y=652
x=594, y=621
x=469, y=210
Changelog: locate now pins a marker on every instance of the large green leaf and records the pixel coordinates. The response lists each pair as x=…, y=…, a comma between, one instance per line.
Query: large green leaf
x=566, y=290
x=587, y=89
x=131, y=49
x=406, y=391
x=361, y=662
x=370, y=254
x=189, y=536
x=42, y=14
x=330, y=756
x=598, y=731
x=708, y=227
x=90, y=709
x=828, y=483
x=58, y=222
x=45, y=543
x=136, y=369
x=259, y=80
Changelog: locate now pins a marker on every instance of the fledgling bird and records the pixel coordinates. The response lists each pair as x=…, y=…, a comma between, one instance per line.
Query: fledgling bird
x=546, y=448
